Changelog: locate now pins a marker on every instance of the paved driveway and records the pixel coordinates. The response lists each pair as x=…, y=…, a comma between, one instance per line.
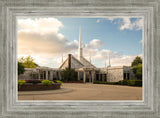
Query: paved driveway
x=76, y=91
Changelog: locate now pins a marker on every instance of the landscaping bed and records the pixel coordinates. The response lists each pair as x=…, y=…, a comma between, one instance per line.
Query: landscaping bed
x=38, y=87
x=122, y=82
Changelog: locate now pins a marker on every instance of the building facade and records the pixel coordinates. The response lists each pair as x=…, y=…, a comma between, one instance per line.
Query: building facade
x=86, y=71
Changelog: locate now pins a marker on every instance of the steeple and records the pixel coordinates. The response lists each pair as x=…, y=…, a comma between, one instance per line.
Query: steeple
x=62, y=58
x=90, y=58
x=80, y=50
x=109, y=65
x=80, y=43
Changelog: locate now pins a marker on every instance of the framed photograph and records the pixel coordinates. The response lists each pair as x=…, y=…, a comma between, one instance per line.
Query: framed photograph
x=58, y=66
x=80, y=59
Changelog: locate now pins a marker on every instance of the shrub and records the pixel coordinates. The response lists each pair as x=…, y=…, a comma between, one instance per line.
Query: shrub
x=122, y=82
x=69, y=75
x=101, y=82
x=135, y=82
x=137, y=70
x=21, y=82
x=98, y=82
x=58, y=81
x=47, y=82
x=131, y=83
x=33, y=81
x=113, y=83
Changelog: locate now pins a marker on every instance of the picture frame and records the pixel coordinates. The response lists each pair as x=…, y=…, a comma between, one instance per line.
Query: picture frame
x=149, y=107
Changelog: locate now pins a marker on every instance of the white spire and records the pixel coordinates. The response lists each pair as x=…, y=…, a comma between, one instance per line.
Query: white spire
x=62, y=58
x=90, y=57
x=80, y=43
x=80, y=50
x=109, y=65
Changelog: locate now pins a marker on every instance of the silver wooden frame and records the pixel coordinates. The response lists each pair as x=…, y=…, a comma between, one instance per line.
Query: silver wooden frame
x=149, y=107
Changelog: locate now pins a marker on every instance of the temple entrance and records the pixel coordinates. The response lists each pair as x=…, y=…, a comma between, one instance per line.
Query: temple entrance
x=88, y=74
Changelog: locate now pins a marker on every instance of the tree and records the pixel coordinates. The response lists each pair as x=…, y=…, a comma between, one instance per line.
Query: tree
x=28, y=62
x=20, y=68
x=137, y=70
x=136, y=61
x=69, y=75
x=137, y=67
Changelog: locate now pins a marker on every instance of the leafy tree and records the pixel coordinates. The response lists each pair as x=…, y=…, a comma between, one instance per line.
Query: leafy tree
x=136, y=61
x=137, y=67
x=137, y=71
x=20, y=68
x=28, y=62
x=69, y=75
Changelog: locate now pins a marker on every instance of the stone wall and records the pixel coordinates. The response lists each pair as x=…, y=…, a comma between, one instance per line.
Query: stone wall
x=128, y=69
x=115, y=74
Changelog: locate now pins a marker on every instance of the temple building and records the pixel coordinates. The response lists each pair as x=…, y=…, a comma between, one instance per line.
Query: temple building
x=86, y=71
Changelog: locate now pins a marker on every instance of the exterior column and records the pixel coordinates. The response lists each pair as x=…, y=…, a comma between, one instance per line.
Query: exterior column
x=32, y=75
x=43, y=75
x=78, y=75
x=103, y=77
x=51, y=75
x=126, y=76
x=59, y=75
x=90, y=76
x=39, y=75
x=84, y=76
x=93, y=73
x=99, y=77
x=46, y=75
x=106, y=77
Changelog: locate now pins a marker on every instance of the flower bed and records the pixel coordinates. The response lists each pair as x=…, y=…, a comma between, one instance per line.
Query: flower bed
x=38, y=87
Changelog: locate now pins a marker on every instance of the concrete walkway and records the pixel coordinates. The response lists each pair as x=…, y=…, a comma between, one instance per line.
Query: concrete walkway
x=79, y=91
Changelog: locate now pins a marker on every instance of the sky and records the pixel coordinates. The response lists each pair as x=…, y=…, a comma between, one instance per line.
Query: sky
x=48, y=39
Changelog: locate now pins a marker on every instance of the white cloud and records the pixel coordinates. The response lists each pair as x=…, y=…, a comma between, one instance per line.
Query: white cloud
x=99, y=56
x=95, y=43
x=127, y=24
x=98, y=20
x=40, y=25
x=139, y=24
x=123, y=60
x=41, y=36
x=111, y=18
x=41, y=39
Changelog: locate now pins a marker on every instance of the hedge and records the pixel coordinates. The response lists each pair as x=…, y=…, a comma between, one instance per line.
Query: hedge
x=21, y=82
x=47, y=82
x=58, y=81
x=33, y=81
x=101, y=82
x=122, y=82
